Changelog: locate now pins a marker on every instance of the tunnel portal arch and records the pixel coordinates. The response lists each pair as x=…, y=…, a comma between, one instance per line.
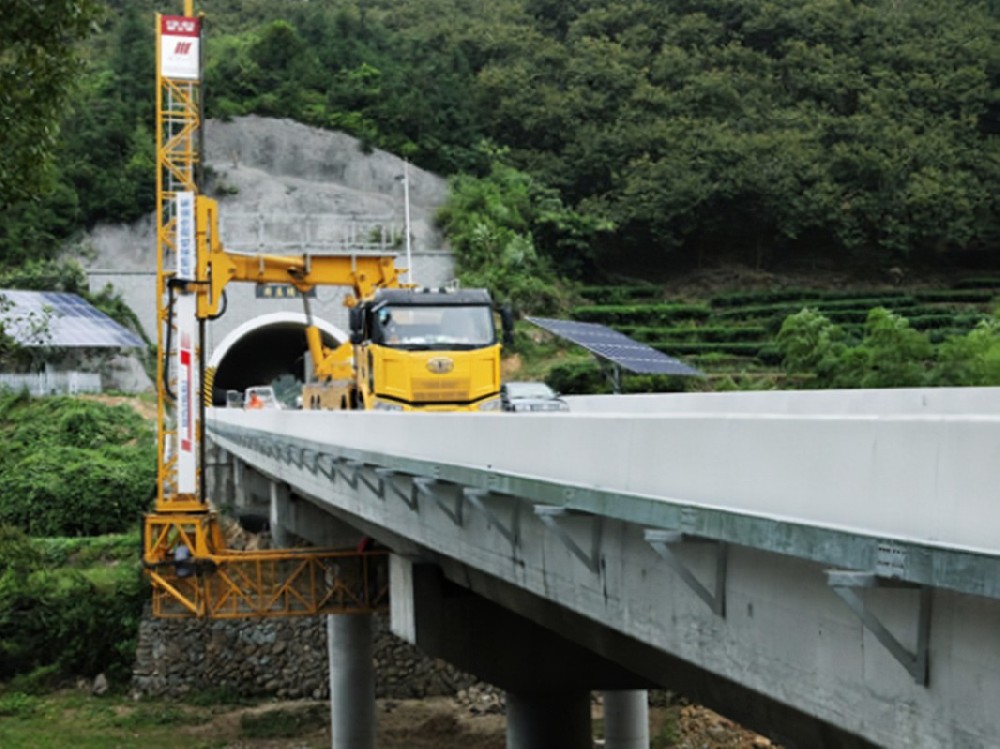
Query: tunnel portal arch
x=263, y=349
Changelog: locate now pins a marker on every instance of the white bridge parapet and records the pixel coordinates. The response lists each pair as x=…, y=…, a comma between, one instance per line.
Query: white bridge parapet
x=914, y=465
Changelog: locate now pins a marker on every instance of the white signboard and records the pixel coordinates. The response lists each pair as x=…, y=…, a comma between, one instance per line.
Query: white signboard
x=180, y=54
x=186, y=253
x=187, y=394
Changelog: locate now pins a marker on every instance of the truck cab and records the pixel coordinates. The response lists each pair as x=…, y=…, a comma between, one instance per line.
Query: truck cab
x=427, y=350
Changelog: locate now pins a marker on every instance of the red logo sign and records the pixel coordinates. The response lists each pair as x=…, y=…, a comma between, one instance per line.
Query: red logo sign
x=182, y=48
x=179, y=26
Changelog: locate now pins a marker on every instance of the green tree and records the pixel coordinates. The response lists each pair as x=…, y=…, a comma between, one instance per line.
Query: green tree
x=810, y=344
x=490, y=222
x=895, y=355
x=38, y=64
x=972, y=360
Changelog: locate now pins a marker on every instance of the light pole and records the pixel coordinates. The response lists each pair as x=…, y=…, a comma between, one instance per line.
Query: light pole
x=405, y=179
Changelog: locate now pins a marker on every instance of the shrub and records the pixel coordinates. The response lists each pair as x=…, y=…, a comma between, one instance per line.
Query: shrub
x=578, y=378
x=55, y=622
x=73, y=467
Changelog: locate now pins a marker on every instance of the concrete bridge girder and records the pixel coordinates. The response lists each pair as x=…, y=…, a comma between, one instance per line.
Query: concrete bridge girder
x=788, y=657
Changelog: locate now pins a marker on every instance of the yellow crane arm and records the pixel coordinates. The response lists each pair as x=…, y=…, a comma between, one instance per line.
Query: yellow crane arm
x=363, y=274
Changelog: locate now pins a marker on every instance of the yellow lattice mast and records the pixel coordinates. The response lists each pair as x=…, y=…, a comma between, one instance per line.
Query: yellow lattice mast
x=191, y=570
x=178, y=156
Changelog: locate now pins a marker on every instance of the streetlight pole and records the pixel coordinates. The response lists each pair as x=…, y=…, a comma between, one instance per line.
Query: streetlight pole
x=406, y=219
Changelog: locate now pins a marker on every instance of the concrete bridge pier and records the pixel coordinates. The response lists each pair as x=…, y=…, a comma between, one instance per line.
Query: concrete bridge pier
x=542, y=720
x=279, y=501
x=626, y=719
x=352, y=681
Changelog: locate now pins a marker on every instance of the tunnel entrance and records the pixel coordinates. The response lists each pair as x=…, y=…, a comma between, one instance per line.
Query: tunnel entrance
x=263, y=350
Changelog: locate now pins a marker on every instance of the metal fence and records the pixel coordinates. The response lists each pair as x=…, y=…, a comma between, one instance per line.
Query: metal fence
x=53, y=383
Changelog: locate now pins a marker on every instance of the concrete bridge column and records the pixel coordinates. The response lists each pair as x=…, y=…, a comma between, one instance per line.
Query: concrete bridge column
x=279, y=501
x=220, y=486
x=542, y=720
x=352, y=681
x=626, y=719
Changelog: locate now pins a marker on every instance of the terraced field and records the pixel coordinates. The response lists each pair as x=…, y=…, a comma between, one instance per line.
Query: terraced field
x=731, y=335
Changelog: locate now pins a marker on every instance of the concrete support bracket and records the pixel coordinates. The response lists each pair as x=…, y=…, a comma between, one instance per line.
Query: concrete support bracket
x=349, y=470
x=439, y=491
x=662, y=540
x=409, y=497
x=377, y=486
x=846, y=584
x=553, y=518
x=329, y=470
x=477, y=498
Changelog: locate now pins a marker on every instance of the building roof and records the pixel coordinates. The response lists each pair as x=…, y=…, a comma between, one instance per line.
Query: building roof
x=50, y=319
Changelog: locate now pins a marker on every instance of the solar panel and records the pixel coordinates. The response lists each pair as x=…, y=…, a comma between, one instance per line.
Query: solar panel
x=50, y=318
x=619, y=348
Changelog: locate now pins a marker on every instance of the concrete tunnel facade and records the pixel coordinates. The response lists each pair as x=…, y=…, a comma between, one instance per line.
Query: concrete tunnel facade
x=262, y=349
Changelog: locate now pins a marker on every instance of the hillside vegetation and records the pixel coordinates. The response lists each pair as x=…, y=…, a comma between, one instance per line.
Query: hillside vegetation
x=641, y=134
x=75, y=478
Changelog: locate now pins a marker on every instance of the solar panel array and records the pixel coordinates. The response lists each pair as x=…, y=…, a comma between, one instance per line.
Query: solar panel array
x=616, y=347
x=58, y=319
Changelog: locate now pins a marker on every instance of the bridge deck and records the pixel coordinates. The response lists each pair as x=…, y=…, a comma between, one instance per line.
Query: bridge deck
x=896, y=484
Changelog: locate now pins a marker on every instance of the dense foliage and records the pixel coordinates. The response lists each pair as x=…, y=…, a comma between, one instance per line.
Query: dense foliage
x=890, y=353
x=73, y=467
x=664, y=133
x=38, y=63
x=56, y=620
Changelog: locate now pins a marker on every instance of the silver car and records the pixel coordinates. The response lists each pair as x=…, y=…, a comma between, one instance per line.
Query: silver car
x=530, y=396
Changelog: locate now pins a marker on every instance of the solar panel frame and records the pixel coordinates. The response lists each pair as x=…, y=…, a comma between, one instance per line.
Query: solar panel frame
x=55, y=319
x=616, y=347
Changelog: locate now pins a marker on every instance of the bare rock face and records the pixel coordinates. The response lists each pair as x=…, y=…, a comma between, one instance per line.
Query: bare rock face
x=270, y=175
x=336, y=162
x=284, y=187
x=283, y=183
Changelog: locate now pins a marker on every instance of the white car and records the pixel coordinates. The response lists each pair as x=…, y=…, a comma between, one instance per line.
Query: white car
x=530, y=396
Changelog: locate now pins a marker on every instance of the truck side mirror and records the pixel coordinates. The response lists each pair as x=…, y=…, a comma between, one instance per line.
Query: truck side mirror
x=356, y=322
x=507, y=324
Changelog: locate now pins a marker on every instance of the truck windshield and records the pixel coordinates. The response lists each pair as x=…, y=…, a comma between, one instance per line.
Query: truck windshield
x=435, y=326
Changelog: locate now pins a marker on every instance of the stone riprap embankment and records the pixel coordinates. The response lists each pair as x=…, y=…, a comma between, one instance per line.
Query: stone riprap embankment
x=280, y=658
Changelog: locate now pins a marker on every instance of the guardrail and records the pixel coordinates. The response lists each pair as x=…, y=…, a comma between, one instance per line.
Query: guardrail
x=56, y=383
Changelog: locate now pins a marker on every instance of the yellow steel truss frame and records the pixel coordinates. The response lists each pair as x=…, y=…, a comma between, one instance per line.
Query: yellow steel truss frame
x=231, y=584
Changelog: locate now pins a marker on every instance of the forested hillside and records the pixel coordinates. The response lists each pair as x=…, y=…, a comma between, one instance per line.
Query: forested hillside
x=638, y=134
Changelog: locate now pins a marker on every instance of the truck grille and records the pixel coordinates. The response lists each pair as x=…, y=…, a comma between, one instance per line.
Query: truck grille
x=440, y=389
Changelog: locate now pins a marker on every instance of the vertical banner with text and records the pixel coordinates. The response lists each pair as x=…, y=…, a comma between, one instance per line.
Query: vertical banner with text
x=180, y=53
x=185, y=237
x=187, y=394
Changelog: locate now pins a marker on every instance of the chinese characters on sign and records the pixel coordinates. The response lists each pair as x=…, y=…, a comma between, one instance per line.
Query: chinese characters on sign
x=281, y=291
x=185, y=236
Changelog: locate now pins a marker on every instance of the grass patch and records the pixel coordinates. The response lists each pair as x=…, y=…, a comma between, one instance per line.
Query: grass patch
x=284, y=723
x=79, y=720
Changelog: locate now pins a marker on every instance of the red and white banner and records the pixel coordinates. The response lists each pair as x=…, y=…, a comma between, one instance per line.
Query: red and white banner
x=180, y=41
x=187, y=394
